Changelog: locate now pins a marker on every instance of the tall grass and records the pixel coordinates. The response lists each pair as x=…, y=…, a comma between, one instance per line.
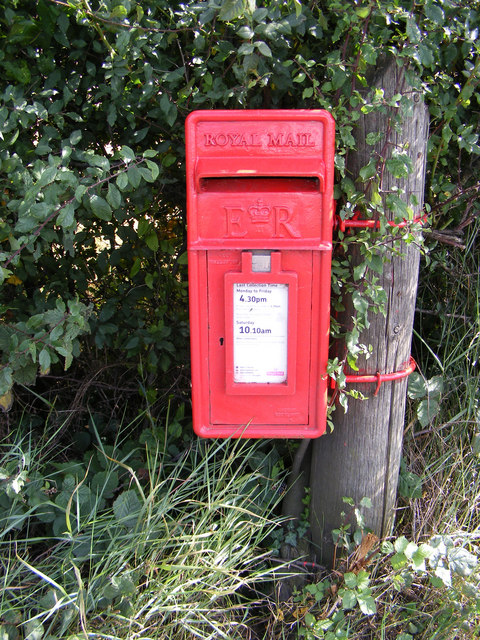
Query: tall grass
x=160, y=536
x=445, y=453
x=178, y=550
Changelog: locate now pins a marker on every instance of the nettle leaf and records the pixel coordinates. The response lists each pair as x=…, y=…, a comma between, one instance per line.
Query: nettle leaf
x=427, y=410
x=417, y=387
x=126, y=508
x=462, y=562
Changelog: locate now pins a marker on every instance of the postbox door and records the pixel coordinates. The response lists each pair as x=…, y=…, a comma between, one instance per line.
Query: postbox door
x=265, y=402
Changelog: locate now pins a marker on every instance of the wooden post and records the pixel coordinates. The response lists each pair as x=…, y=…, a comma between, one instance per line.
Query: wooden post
x=361, y=457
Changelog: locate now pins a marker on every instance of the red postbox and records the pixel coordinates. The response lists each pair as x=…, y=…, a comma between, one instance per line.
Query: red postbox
x=260, y=211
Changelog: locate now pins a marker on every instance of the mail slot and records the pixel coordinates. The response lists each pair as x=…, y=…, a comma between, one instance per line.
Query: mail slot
x=259, y=216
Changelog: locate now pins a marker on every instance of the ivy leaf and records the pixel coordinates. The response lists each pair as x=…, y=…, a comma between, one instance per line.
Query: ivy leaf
x=369, y=170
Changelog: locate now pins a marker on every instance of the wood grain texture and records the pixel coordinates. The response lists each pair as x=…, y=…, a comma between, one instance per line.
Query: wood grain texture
x=361, y=457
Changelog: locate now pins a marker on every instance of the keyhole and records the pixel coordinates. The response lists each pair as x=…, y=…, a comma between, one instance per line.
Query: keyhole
x=221, y=342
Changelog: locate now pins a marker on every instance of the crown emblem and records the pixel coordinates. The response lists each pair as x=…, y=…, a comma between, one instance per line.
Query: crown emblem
x=259, y=212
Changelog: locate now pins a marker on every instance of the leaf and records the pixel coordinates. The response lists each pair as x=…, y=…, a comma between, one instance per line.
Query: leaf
x=417, y=387
x=245, y=32
x=34, y=630
x=154, y=168
x=134, y=177
x=75, y=137
x=427, y=410
x=434, y=13
x=126, y=508
x=169, y=109
x=435, y=386
x=462, y=562
x=152, y=241
x=100, y=207
x=80, y=191
x=231, y=9
x=66, y=217
x=400, y=165
x=426, y=55
x=122, y=181
x=367, y=604
x=127, y=154
x=401, y=544
x=114, y=197
x=44, y=361
x=476, y=444
x=264, y=49
x=349, y=599
x=413, y=32
x=368, y=171
x=6, y=401
x=350, y=580
x=398, y=561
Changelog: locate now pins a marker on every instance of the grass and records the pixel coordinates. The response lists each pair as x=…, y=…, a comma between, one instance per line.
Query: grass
x=174, y=550
x=143, y=532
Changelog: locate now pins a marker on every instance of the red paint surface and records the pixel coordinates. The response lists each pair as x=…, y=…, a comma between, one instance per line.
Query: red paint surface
x=259, y=180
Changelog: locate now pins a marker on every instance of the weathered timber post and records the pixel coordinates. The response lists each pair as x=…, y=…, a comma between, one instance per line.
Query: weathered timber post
x=361, y=457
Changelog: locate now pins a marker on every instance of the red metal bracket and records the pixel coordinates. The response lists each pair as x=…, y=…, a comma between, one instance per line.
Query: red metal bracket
x=379, y=378
x=358, y=223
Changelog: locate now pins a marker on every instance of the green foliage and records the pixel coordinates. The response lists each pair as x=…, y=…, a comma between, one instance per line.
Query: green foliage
x=93, y=97
x=92, y=103
x=90, y=541
x=377, y=586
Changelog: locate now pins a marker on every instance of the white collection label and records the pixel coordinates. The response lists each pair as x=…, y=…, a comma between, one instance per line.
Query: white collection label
x=260, y=332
